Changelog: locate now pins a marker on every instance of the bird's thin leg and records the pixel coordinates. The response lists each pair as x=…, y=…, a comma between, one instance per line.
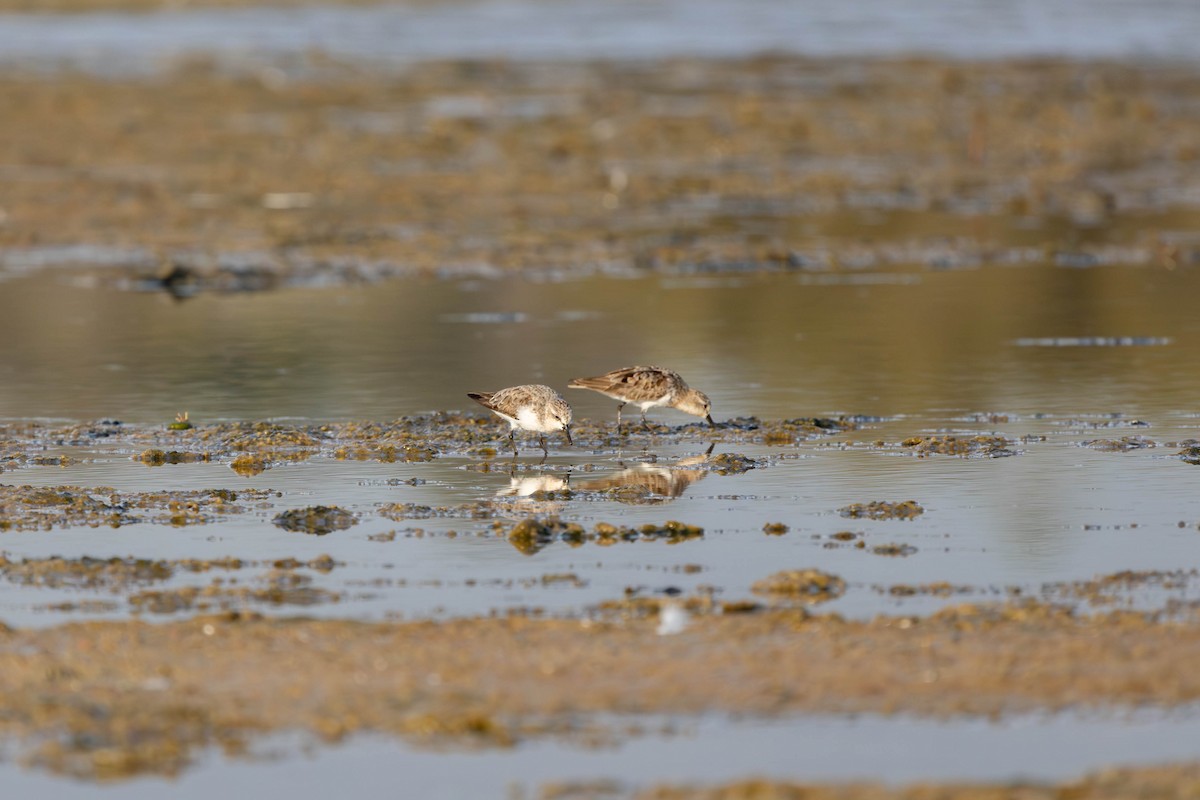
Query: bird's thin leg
x=542, y=442
x=513, y=440
x=619, y=418
x=645, y=422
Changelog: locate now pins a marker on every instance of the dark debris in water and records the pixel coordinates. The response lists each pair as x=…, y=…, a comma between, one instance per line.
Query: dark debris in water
x=893, y=550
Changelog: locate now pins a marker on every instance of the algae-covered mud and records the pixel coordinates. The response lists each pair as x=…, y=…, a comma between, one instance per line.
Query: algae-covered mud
x=940, y=541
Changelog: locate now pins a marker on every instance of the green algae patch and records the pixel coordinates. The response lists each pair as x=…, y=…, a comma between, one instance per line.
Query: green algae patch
x=733, y=463
x=483, y=509
x=963, y=446
x=881, y=509
x=155, y=457
x=531, y=535
x=277, y=588
x=803, y=585
x=248, y=465
x=28, y=508
x=388, y=454
x=1123, y=445
x=316, y=520
x=267, y=436
x=893, y=550
x=86, y=573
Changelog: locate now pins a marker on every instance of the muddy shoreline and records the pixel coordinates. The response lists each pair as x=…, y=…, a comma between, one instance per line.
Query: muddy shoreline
x=106, y=700
x=323, y=173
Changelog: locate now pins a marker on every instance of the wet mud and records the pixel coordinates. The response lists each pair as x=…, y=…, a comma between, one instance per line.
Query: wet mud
x=1151, y=783
x=106, y=700
x=253, y=448
x=321, y=174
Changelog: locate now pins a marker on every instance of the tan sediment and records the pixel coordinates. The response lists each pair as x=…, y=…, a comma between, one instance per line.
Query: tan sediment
x=762, y=163
x=114, y=698
x=1172, y=782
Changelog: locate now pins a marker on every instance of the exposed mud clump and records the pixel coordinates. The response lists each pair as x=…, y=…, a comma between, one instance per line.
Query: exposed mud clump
x=400, y=511
x=1122, y=445
x=879, y=509
x=804, y=585
x=531, y=535
x=1171, y=782
x=894, y=550
x=44, y=508
x=937, y=589
x=248, y=465
x=733, y=463
x=85, y=572
x=388, y=454
x=156, y=458
x=775, y=529
x=1190, y=454
x=317, y=520
x=278, y=588
x=962, y=446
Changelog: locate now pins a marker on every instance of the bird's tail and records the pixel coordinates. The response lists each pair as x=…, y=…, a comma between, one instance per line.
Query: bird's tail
x=483, y=398
x=588, y=383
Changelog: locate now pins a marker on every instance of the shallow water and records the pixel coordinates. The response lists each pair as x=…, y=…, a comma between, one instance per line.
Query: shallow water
x=575, y=29
x=1050, y=357
x=697, y=752
x=772, y=346
x=924, y=345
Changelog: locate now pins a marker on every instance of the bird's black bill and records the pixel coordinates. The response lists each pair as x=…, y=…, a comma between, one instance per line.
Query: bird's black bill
x=710, y=422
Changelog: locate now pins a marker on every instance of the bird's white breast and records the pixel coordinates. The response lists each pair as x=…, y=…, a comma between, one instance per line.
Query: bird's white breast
x=528, y=419
x=646, y=405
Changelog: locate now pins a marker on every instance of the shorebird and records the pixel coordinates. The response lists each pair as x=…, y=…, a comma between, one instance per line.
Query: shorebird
x=530, y=407
x=647, y=387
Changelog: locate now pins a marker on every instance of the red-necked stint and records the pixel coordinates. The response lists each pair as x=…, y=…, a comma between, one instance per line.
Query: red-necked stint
x=531, y=407
x=647, y=387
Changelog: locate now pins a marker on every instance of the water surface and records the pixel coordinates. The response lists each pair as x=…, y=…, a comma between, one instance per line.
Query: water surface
x=627, y=29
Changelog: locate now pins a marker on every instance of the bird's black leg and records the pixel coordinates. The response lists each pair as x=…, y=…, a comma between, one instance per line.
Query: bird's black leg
x=542, y=442
x=645, y=422
x=513, y=440
x=619, y=418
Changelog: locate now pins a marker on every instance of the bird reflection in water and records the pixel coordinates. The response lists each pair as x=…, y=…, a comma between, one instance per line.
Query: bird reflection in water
x=534, y=493
x=651, y=484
